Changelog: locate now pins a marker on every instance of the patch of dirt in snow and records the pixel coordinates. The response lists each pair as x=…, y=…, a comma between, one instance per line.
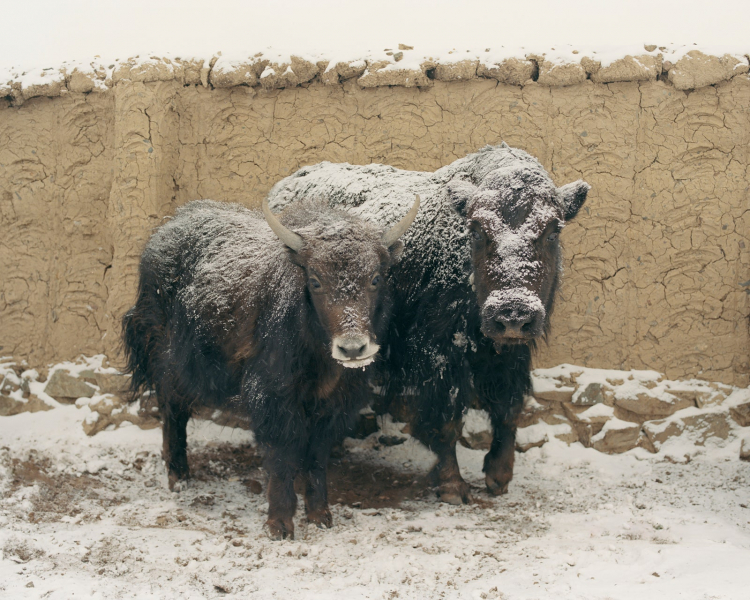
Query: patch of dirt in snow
x=91, y=517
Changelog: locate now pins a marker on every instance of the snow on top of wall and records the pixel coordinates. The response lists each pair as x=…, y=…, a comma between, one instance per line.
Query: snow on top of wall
x=39, y=33
x=47, y=46
x=254, y=64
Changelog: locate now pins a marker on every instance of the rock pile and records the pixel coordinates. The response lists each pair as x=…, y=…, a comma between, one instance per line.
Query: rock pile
x=616, y=411
x=405, y=68
x=15, y=391
x=102, y=390
x=610, y=411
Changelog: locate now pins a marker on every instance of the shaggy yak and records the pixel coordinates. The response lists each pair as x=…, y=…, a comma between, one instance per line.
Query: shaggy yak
x=473, y=291
x=262, y=318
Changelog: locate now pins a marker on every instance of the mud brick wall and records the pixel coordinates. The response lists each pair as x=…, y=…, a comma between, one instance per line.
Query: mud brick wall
x=657, y=264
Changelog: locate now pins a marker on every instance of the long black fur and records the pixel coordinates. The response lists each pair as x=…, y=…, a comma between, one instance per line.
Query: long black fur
x=259, y=351
x=439, y=360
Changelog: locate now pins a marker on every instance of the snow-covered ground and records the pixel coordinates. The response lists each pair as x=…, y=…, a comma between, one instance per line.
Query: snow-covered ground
x=90, y=517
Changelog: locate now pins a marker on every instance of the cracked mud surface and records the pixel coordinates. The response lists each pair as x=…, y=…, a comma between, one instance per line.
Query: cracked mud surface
x=657, y=264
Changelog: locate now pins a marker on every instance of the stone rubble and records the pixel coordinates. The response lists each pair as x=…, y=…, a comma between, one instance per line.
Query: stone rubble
x=66, y=388
x=109, y=410
x=102, y=391
x=16, y=398
x=609, y=411
x=693, y=70
x=741, y=414
x=697, y=70
x=512, y=71
x=617, y=411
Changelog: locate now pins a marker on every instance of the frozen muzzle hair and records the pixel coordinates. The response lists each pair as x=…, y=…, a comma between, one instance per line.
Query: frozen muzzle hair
x=354, y=346
x=516, y=313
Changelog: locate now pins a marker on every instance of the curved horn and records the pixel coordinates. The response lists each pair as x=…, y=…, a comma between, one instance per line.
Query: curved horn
x=291, y=239
x=391, y=236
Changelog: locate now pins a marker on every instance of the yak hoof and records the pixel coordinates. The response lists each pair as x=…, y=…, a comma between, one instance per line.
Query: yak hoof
x=455, y=492
x=280, y=529
x=498, y=473
x=177, y=484
x=322, y=518
x=497, y=487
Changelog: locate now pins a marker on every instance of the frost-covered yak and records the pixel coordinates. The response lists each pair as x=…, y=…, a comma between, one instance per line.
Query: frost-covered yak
x=262, y=318
x=473, y=291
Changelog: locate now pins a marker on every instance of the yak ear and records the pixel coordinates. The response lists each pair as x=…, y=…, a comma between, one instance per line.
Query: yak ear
x=573, y=196
x=460, y=192
x=395, y=250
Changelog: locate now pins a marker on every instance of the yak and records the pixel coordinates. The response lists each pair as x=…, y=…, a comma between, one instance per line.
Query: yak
x=473, y=292
x=274, y=320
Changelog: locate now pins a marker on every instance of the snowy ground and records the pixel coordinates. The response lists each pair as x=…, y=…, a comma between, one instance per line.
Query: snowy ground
x=90, y=517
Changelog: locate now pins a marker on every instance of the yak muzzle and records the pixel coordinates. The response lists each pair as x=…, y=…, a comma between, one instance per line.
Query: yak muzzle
x=512, y=316
x=354, y=350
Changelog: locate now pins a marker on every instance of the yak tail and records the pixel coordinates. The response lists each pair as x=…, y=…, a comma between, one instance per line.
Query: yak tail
x=142, y=328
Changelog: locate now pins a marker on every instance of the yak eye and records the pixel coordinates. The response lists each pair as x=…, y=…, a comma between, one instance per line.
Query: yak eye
x=554, y=228
x=314, y=283
x=375, y=281
x=476, y=234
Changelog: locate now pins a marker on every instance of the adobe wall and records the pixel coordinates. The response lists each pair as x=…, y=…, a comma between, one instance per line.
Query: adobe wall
x=657, y=264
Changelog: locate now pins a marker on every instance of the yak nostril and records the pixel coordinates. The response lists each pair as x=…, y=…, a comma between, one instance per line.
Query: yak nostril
x=351, y=351
x=510, y=323
x=515, y=313
x=513, y=321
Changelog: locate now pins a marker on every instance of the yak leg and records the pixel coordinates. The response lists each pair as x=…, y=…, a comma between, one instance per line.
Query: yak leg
x=498, y=462
x=174, y=444
x=282, y=464
x=451, y=486
x=316, y=482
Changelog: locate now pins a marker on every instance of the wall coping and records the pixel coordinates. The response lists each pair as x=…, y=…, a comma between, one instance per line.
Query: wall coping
x=684, y=67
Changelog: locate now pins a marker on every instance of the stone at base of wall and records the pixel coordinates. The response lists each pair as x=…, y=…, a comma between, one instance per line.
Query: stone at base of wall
x=16, y=396
x=617, y=411
x=10, y=406
x=614, y=435
x=609, y=411
x=110, y=411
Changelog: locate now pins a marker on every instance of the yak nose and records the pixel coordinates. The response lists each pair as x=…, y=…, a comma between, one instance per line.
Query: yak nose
x=352, y=347
x=515, y=313
x=511, y=323
x=354, y=350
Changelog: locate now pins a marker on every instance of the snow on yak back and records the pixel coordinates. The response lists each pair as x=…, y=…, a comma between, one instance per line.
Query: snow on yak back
x=473, y=291
x=261, y=317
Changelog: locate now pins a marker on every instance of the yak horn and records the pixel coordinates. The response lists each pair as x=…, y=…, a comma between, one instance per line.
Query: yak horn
x=291, y=239
x=391, y=236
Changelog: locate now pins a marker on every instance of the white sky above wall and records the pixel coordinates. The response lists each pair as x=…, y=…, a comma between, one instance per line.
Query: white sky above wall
x=43, y=33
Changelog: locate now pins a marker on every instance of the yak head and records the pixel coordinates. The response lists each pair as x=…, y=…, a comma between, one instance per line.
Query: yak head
x=513, y=218
x=345, y=260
